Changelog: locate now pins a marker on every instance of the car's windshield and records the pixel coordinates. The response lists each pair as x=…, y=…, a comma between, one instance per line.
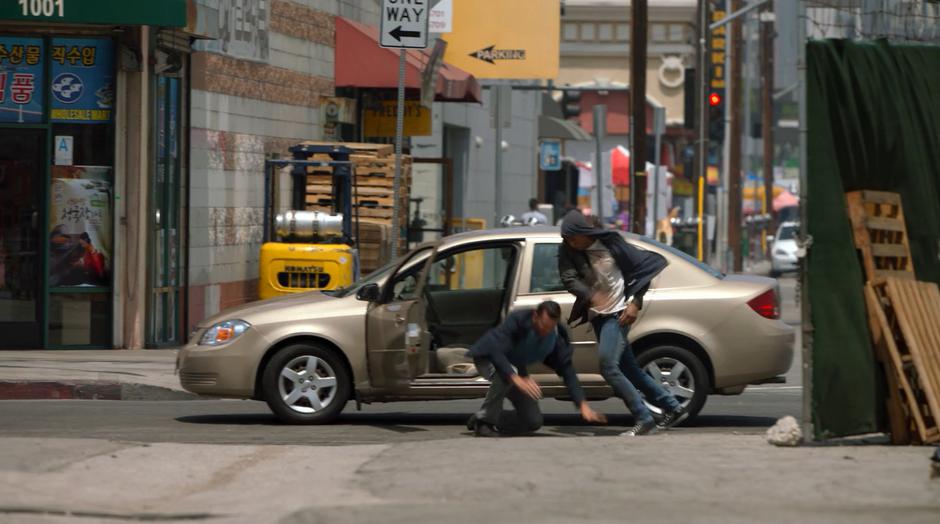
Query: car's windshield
x=681, y=254
x=376, y=276
x=788, y=233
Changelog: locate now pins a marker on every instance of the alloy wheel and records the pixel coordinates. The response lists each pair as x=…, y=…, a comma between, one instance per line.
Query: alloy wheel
x=675, y=376
x=307, y=384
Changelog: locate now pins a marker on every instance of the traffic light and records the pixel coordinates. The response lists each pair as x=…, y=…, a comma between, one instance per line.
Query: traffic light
x=716, y=116
x=571, y=104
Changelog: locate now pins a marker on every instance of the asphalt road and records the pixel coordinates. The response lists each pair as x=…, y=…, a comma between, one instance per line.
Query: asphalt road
x=248, y=422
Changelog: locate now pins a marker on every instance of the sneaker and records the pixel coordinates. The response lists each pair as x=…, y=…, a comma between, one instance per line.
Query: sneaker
x=672, y=418
x=641, y=428
x=484, y=429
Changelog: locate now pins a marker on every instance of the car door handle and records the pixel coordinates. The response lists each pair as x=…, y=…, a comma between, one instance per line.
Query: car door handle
x=399, y=320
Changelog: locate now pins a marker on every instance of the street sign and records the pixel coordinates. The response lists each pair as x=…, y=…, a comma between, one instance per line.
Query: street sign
x=404, y=24
x=550, y=155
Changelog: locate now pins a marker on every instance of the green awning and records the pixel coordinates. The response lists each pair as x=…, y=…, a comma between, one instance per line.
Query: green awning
x=552, y=127
x=163, y=13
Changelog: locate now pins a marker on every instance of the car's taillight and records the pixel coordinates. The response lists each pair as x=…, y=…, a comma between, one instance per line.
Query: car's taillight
x=765, y=305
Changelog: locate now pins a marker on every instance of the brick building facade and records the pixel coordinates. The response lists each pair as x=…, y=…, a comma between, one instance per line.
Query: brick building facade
x=256, y=90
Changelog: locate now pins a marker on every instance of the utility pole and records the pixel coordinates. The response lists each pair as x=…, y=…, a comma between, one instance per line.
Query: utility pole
x=701, y=150
x=734, y=142
x=767, y=109
x=638, y=22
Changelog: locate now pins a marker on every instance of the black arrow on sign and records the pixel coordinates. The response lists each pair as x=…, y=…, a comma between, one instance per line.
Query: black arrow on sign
x=398, y=33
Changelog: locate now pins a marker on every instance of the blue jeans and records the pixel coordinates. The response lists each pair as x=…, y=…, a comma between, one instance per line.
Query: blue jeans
x=620, y=369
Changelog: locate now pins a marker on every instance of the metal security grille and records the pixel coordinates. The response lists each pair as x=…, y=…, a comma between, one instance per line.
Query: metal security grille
x=299, y=280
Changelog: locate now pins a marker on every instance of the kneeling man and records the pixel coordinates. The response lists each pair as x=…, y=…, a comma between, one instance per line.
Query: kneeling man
x=526, y=337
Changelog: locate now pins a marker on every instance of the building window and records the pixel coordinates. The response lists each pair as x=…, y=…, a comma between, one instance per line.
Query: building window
x=570, y=33
x=605, y=32
x=676, y=33
x=658, y=33
x=623, y=32
x=587, y=32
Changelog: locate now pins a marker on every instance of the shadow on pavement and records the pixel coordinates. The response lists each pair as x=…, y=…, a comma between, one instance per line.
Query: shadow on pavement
x=401, y=422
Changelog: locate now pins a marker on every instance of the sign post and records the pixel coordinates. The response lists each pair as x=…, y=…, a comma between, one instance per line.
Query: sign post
x=404, y=26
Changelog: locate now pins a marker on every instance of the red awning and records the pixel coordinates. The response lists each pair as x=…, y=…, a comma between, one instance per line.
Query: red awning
x=360, y=62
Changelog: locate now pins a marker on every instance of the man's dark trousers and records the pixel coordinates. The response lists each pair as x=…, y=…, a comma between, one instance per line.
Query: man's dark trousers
x=528, y=416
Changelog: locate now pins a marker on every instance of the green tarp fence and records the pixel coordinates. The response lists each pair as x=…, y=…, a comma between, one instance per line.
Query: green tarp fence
x=873, y=118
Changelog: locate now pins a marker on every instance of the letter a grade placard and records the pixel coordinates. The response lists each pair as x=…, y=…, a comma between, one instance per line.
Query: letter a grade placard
x=404, y=24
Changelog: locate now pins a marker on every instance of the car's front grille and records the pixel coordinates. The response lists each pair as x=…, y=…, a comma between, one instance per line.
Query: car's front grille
x=198, y=379
x=292, y=280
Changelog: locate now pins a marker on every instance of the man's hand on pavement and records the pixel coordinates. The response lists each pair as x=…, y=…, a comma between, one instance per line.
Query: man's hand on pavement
x=589, y=415
x=527, y=386
x=628, y=316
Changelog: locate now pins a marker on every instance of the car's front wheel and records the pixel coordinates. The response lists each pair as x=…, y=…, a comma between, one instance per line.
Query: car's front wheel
x=681, y=372
x=306, y=384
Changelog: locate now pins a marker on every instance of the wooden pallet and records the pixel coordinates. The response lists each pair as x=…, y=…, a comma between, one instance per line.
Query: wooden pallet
x=379, y=191
x=909, y=313
x=880, y=234
x=380, y=150
x=364, y=212
x=326, y=199
x=361, y=181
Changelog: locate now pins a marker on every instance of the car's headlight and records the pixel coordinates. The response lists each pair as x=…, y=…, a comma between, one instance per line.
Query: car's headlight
x=223, y=332
x=780, y=253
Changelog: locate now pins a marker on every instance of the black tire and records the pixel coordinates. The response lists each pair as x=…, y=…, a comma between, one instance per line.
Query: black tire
x=670, y=354
x=775, y=274
x=271, y=384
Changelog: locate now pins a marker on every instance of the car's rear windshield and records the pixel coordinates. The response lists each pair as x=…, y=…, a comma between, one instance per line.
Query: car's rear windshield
x=679, y=253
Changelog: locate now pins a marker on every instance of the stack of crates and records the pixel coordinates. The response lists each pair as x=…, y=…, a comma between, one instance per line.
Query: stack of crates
x=373, y=197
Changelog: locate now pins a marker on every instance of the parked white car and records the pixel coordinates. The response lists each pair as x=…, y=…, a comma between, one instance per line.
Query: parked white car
x=783, y=251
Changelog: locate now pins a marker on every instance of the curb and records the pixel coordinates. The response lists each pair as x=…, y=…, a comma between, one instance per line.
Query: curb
x=88, y=390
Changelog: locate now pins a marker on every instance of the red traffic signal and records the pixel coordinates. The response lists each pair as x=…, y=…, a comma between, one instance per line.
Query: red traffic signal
x=714, y=99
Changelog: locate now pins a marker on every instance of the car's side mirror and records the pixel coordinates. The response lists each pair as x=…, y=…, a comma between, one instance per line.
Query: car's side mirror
x=368, y=293
x=770, y=239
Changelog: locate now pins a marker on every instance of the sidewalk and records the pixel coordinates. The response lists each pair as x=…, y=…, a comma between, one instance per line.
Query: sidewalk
x=90, y=374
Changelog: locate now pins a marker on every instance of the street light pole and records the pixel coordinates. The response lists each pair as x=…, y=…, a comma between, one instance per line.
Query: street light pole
x=734, y=141
x=767, y=110
x=638, y=22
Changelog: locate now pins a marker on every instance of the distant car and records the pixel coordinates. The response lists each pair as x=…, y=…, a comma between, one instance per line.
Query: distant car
x=401, y=333
x=784, y=248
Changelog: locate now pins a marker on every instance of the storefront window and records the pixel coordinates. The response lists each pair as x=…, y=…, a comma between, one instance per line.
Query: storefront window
x=63, y=89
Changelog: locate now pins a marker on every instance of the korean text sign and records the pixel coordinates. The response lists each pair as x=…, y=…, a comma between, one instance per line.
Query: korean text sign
x=21, y=79
x=82, y=89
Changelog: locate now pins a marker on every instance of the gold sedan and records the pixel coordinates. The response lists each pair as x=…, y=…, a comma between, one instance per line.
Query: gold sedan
x=401, y=332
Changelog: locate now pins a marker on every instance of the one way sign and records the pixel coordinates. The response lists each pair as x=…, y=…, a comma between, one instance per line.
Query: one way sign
x=404, y=23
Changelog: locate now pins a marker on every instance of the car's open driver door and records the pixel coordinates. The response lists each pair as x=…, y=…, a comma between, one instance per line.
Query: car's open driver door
x=397, y=336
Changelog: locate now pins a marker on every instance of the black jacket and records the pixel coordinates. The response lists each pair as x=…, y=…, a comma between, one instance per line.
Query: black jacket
x=638, y=267
x=496, y=343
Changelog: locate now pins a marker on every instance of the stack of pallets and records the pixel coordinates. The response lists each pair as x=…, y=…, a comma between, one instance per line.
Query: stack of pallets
x=903, y=314
x=373, y=197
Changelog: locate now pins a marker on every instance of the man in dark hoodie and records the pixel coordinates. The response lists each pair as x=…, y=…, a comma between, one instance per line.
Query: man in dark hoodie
x=502, y=354
x=609, y=277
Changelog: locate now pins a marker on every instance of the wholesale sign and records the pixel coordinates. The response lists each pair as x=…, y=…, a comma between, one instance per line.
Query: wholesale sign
x=21, y=80
x=82, y=86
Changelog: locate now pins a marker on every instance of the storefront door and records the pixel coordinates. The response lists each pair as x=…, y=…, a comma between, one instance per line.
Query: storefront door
x=165, y=319
x=22, y=179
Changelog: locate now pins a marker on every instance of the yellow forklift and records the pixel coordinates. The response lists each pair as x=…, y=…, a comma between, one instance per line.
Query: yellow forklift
x=308, y=250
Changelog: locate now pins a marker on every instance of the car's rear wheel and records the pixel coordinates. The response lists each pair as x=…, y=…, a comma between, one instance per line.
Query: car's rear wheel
x=681, y=372
x=306, y=384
